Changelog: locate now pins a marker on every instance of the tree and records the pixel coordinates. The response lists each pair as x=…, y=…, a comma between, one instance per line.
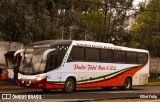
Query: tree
x=103, y=20
x=10, y=25
x=24, y=20
x=33, y=20
x=146, y=30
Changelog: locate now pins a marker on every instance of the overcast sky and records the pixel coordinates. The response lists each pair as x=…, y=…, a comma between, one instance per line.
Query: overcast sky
x=135, y=2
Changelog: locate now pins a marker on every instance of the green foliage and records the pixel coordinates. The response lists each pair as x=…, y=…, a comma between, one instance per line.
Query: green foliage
x=146, y=29
x=27, y=21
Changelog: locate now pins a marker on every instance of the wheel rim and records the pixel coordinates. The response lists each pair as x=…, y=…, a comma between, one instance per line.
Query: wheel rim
x=69, y=85
x=127, y=84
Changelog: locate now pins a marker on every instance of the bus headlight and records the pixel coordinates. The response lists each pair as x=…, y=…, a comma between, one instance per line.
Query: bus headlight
x=19, y=77
x=38, y=78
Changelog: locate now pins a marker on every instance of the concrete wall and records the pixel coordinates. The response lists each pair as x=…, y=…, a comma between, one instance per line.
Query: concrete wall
x=155, y=65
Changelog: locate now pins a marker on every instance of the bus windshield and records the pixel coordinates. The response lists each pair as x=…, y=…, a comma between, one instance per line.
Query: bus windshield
x=32, y=62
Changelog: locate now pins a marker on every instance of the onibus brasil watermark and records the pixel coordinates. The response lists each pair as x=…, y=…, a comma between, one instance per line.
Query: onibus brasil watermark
x=20, y=96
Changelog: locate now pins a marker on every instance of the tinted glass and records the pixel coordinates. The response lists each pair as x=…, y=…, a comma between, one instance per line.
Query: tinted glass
x=106, y=55
x=132, y=57
x=77, y=54
x=119, y=57
x=50, y=63
x=142, y=58
x=60, y=54
x=92, y=54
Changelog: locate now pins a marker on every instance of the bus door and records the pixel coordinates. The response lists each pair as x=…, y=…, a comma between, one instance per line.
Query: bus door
x=52, y=65
x=9, y=64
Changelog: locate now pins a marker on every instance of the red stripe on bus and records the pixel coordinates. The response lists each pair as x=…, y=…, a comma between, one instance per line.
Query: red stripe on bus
x=54, y=86
x=117, y=80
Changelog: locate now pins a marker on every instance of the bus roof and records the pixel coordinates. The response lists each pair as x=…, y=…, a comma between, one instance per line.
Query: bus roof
x=49, y=43
x=83, y=43
x=106, y=46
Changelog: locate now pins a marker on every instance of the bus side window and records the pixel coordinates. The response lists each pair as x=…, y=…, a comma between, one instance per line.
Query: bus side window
x=50, y=63
x=142, y=58
x=60, y=55
x=77, y=54
x=106, y=55
x=92, y=55
x=55, y=61
x=119, y=57
x=132, y=58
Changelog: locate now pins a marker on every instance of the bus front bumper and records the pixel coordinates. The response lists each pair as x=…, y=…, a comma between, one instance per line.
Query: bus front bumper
x=32, y=83
x=42, y=84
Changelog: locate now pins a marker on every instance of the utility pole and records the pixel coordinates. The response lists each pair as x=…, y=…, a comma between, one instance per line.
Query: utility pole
x=85, y=26
x=105, y=17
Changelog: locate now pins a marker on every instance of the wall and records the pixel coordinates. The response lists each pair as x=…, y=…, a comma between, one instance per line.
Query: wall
x=154, y=68
x=155, y=65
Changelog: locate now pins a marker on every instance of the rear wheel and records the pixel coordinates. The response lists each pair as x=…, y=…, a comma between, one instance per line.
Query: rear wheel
x=69, y=85
x=127, y=84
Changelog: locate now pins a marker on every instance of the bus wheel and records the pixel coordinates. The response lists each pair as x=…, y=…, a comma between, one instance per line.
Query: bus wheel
x=69, y=85
x=127, y=84
x=46, y=90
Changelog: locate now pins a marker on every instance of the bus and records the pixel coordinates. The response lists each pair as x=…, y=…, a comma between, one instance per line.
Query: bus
x=71, y=64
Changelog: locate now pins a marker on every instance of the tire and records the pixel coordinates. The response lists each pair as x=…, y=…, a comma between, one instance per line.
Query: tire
x=69, y=85
x=46, y=90
x=127, y=84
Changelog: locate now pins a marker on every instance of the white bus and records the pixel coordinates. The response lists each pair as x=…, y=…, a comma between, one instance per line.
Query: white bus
x=71, y=64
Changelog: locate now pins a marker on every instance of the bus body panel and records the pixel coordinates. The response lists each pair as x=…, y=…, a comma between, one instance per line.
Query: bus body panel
x=141, y=76
x=96, y=77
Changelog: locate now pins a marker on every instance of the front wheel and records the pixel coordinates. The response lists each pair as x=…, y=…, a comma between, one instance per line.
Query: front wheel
x=127, y=84
x=69, y=85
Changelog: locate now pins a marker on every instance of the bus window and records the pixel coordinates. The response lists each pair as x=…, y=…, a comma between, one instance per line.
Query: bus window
x=119, y=57
x=92, y=54
x=106, y=55
x=52, y=62
x=60, y=54
x=55, y=61
x=132, y=58
x=142, y=58
x=77, y=54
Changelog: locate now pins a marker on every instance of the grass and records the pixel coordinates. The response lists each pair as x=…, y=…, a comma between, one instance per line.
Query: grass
x=156, y=82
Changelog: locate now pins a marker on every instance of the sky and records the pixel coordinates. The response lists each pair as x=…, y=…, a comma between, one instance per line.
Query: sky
x=135, y=2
